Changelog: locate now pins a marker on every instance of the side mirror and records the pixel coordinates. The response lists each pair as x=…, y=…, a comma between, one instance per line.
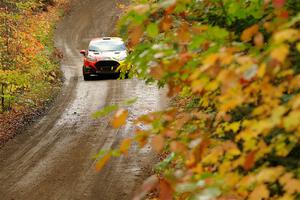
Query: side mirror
x=82, y=52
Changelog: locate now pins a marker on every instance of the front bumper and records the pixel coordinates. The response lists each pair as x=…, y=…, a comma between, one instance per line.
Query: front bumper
x=102, y=67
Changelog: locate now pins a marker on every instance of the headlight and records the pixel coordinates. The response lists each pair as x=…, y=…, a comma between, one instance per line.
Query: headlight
x=91, y=59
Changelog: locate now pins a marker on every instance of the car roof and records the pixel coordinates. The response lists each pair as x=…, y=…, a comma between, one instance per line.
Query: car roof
x=95, y=40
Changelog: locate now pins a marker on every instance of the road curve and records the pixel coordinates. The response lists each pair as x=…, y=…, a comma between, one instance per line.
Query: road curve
x=52, y=159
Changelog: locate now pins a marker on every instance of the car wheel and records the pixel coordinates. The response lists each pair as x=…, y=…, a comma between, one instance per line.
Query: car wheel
x=86, y=77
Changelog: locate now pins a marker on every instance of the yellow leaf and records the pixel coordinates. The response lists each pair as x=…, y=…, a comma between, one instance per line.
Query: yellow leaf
x=280, y=53
x=277, y=114
x=286, y=35
x=210, y=60
x=197, y=86
x=298, y=46
x=259, y=193
x=120, y=5
x=292, y=121
x=269, y=175
x=231, y=179
x=287, y=197
x=120, y=118
x=235, y=126
x=100, y=164
x=125, y=145
x=261, y=70
x=290, y=184
x=212, y=86
x=213, y=156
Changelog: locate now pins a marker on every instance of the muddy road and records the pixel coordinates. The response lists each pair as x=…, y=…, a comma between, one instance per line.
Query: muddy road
x=53, y=158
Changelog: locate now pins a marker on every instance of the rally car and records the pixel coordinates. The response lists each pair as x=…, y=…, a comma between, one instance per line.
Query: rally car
x=103, y=56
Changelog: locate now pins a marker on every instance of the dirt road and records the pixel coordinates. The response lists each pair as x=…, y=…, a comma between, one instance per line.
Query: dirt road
x=52, y=159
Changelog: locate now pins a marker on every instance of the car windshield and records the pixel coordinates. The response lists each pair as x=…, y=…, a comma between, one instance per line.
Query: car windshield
x=107, y=46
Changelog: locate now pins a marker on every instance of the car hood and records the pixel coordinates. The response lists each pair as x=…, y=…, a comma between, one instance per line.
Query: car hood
x=109, y=55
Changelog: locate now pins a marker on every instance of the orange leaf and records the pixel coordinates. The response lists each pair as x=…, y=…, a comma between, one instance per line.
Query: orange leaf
x=120, y=118
x=157, y=72
x=135, y=34
x=250, y=160
x=259, y=40
x=278, y=3
x=166, y=23
x=158, y=143
x=249, y=33
x=148, y=185
x=165, y=190
x=141, y=137
x=210, y=60
x=169, y=133
x=183, y=33
x=100, y=164
x=178, y=147
x=125, y=145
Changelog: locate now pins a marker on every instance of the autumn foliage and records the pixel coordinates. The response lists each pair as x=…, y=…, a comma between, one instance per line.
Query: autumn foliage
x=28, y=59
x=233, y=70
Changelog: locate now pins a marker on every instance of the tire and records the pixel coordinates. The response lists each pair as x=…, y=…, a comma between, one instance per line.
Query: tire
x=86, y=77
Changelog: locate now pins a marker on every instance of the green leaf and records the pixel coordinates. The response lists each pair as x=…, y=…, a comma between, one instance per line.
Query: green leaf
x=105, y=111
x=129, y=101
x=152, y=30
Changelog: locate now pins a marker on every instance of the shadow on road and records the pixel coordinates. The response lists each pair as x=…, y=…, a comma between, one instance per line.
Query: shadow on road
x=104, y=77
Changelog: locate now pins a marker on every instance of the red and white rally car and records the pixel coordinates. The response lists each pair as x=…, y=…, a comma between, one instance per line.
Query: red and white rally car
x=103, y=56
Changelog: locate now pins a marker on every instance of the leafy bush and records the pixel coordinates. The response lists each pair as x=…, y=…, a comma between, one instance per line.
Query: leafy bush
x=27, y=54
x=234, y=65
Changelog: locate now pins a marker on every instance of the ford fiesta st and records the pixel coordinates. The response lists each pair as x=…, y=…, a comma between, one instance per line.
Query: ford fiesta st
x=103, y=56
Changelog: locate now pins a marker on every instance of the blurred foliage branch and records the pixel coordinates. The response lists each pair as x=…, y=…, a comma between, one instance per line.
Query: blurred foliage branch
x=234, y=66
